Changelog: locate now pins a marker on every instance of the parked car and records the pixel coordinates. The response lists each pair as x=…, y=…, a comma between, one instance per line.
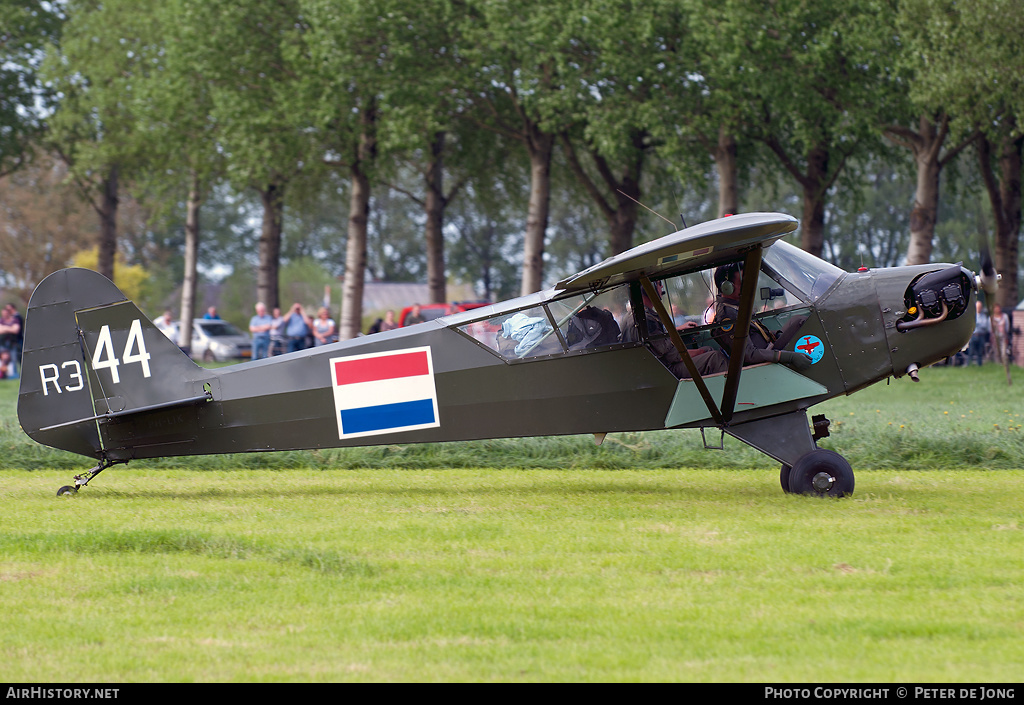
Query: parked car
x=212, y=340
x=432, y=311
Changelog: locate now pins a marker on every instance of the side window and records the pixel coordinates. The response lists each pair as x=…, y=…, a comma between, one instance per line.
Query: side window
x=578, y=322
x=592, y=321
x=689, y=298
x=526, y=333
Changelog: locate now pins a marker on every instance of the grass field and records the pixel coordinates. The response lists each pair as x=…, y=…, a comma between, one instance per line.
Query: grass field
x=516, y=561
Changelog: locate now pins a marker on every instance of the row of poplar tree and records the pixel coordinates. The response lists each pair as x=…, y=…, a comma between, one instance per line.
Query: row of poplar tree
x=444, y=100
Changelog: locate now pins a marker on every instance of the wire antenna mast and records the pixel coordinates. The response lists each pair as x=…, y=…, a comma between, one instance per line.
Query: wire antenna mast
x=643, y=206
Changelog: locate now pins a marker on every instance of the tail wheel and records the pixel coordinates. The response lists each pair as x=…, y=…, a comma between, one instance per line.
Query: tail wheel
x=821, y=473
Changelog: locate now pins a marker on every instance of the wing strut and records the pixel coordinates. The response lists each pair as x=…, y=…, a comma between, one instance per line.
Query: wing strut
x=740, y=329
x=677, y=341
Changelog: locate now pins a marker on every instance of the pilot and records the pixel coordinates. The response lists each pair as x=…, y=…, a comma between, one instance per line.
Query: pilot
x=762, y=345
x=707, y=360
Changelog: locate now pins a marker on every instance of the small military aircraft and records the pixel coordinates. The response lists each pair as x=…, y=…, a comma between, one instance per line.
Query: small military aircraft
x=722, y=325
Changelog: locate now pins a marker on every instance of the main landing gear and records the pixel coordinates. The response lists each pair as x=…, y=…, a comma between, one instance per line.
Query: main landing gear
x=821, y=472
x=83, y=479
x=806, y=468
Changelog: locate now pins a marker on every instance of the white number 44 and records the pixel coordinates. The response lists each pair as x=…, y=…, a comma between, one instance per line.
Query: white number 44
x=134, y=351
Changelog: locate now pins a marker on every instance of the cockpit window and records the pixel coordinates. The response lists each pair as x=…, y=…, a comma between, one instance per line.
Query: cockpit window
x=811, y=276
x=579, y=322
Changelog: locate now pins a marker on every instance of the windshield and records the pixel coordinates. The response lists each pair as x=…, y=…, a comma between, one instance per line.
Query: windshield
x=811, y=276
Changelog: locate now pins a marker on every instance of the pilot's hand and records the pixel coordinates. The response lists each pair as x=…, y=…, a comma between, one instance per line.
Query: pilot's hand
x=797, y=360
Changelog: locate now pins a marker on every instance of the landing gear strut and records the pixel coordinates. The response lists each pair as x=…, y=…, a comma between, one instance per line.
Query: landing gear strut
x=83, y=479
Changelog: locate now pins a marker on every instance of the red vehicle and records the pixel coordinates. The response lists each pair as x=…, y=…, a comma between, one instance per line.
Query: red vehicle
x=432, y=311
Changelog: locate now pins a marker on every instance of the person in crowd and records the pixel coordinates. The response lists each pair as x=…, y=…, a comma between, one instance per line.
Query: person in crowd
x=389, y=322
x=211, y=314
x=165, y=322
x=278, y=340
x=375, y=326
x=980, y=338
x=12, y=332
x=296, y=328
x=7, y=368
x=324, y=330
x=415, y=316
x=259, y=326
x=1000, y=326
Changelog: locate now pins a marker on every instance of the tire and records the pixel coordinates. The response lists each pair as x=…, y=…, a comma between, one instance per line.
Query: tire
x=822, y=473
x=67, y=490
x=784, y=477
x=208, y=356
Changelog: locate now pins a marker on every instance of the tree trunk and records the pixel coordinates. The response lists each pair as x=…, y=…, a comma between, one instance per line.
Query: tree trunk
x=272, y=198
x=188, y=287
x=924, y=214
x=926, y=144
x=351, y=322
x=815, y=187
x=1008, y=238
x=435, y=205
x=623, y=222
x=355, y=257
x=107, y=246
x=541, y=147
x=728, y=175
x=1005, y=196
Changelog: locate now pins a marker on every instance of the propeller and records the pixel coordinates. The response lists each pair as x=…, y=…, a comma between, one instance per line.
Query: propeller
x=988, y=278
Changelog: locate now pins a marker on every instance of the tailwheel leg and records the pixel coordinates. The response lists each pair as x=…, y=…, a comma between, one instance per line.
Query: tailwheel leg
x=83, y=479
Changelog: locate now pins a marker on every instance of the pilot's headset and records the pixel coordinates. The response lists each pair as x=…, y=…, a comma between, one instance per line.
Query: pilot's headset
x=724, y=276
x=659, y=289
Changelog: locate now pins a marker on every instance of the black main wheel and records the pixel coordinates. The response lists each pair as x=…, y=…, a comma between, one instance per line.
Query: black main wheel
x=784, y=477
x=67, y=489
x=822, y=473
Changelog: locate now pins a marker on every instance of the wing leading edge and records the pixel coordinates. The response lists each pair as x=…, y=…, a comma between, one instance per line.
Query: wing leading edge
x=698, y=247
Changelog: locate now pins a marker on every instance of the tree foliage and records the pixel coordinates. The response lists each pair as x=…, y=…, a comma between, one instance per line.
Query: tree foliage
x=509, y=142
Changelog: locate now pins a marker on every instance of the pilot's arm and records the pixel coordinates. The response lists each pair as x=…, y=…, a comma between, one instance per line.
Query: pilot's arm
x=726, y=315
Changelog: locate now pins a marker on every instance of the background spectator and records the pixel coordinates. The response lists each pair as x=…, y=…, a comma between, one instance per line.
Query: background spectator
x=324, y=330
x=296, y=328
x=415, y=316
x=259, y=326
x=389, y=322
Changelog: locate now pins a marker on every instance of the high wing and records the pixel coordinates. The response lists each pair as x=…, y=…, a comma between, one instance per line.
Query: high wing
x=698, y=247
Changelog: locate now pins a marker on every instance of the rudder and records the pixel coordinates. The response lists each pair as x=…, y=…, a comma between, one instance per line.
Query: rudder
x=90, y=356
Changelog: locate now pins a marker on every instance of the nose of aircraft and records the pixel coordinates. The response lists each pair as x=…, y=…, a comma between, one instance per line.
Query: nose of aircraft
x=928, y=313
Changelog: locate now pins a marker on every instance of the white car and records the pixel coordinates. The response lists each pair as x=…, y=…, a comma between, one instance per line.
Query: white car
x=213, y=340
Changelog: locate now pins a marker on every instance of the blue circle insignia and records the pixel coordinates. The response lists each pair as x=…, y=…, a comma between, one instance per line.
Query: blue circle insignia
x=811, y=345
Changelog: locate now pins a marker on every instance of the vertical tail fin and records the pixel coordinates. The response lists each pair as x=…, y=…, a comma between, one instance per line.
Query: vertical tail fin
x=91, y=356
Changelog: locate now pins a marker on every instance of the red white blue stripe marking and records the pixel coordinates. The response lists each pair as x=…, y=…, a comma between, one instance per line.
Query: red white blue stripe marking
x=387, y=392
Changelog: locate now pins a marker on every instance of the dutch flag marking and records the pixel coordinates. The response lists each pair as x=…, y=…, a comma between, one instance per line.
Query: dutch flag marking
x=385, y=392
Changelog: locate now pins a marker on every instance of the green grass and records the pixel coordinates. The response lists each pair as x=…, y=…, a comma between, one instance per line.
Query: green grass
x=529, y=565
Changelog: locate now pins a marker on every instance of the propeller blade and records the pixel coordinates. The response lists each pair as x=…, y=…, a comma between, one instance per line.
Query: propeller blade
x=988, y=279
